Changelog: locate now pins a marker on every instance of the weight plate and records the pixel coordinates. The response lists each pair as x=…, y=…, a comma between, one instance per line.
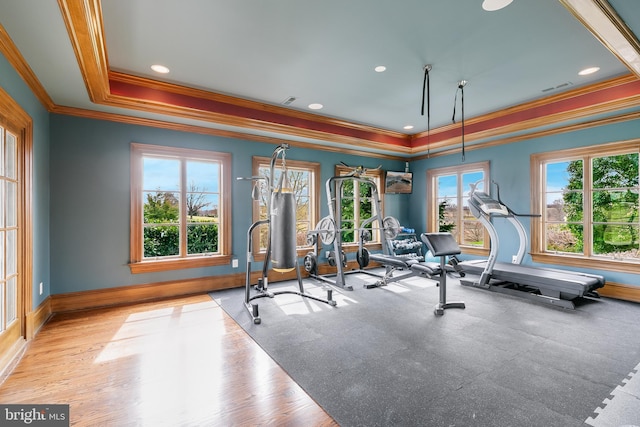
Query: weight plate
x=362, y=256
x=331, y=259
x=391, y=226
x=311, y=239
x=327, y=230
x=310, y=262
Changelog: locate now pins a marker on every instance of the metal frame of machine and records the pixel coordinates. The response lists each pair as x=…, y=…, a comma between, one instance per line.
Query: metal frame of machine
x=328, y=232
x=281, y=251
x=552, y=286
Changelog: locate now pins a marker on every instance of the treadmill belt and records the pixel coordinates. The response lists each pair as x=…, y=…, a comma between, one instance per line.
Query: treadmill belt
x=568, y=283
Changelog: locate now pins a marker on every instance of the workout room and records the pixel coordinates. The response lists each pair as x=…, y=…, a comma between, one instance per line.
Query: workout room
x=362, y=213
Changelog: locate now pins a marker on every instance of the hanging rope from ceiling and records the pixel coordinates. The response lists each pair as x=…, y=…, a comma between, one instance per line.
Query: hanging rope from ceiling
x=425, y=85
x=460, y=88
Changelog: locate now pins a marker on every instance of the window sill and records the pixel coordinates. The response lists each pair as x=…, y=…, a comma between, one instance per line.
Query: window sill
x=584, y=262
x=151, y=266
x=346, y=247
x=472, y=250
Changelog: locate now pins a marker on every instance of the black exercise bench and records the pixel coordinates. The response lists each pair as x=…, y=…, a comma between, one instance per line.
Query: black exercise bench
x=441, y=245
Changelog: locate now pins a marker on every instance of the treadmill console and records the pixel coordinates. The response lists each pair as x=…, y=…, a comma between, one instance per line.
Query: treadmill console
x=489, y=205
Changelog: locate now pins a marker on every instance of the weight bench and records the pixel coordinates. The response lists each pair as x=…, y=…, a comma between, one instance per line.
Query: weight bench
x=441, y=245
x=391, y=263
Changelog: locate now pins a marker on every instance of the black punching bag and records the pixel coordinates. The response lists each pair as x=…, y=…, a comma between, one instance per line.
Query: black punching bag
x=283, y=231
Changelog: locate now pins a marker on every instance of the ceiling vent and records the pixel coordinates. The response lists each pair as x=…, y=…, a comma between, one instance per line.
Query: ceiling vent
x=289, y=100
x=560, y=86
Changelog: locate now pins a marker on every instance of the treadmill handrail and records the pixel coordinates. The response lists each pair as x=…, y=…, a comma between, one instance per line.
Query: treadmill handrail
x=530, y=215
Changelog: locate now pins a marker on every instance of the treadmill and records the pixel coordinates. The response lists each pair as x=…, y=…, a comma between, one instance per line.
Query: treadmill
x=553, y=286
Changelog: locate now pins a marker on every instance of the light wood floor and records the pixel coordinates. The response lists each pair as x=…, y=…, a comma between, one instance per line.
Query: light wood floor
x=180, y=362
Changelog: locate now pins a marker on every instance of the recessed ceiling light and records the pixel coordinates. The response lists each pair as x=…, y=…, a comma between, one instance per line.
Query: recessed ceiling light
x=315, y=106
x=493, y=5
x=160, y=69
x=380, y=68
x=408, y=127
x=588, y=71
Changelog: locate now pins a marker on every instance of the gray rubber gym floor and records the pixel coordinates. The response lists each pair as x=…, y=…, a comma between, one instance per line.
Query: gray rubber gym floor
x=381, y=358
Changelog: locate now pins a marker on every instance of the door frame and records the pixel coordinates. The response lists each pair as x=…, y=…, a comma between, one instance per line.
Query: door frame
x=13, y=116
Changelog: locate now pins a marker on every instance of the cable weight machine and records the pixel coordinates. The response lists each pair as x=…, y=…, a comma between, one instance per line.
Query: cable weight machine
x=328, y=231
x=281, y=250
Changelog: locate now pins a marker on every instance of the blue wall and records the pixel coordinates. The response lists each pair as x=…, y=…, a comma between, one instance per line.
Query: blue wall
x=81, y=238
x=91, y=192
x=11, y=82
x=510, y=168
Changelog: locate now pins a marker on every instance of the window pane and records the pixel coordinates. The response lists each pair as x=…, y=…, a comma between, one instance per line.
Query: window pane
x=366, y=209
x=469, y=178
x=299, y=182
x=348, y=235
x=615, y=171
x=3, y=206
x=2, y=323
x=347, y=188
x=202, y=207
x=564, y=238
x=303, y=209
x=615, y=217
x=12, y=299
x=2, y=145
x=11, y=204
x=161, y=207
x=263, y=236
x=620, y=241
x=567, y=208
x=473, y=233
x=447, y=215
x=447, y=187
x=365, y=190
x=10, y=157
x=347, y=208
x=615, y=206
x=202, y=238
x=11, y=253
x=161, y=240
x=161, y=174
x=203, y=176
x=302, y=228
x=564, y=203
x=2, y=246
x=466, y=212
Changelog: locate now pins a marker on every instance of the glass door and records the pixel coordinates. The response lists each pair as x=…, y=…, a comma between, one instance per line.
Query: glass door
x=10, y=326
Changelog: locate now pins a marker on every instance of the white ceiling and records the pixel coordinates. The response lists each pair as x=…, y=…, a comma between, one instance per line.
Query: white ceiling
x=325, y=52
